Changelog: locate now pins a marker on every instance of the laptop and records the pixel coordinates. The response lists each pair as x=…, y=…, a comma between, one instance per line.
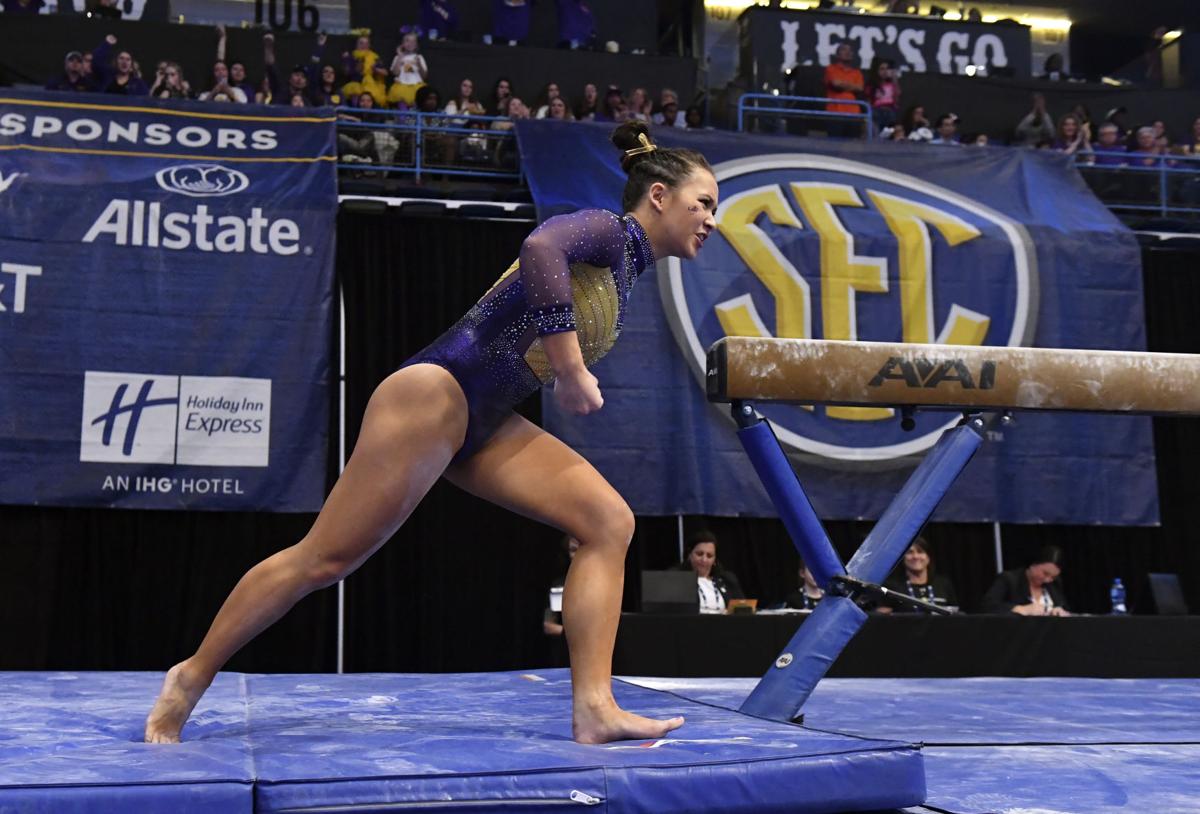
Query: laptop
x=670, y=592
x=1168, y=595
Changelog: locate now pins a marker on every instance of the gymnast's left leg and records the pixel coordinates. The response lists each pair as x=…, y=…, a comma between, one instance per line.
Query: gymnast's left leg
x=526, y=469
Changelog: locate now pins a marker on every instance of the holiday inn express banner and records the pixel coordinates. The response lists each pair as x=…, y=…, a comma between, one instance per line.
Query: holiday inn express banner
x=165, y=303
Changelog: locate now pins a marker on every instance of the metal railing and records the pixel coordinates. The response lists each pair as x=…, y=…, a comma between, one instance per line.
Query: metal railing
x=776, y=110
x=1144, y=182
x=380, y=141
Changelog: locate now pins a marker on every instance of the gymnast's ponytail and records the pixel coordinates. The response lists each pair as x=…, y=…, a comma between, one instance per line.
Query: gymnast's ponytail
x=646, y=163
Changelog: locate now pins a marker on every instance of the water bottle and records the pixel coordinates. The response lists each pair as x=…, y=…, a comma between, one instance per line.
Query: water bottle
x=1117, y=594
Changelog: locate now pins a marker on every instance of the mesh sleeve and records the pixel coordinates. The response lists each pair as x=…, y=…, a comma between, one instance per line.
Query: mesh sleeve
x=593, y=236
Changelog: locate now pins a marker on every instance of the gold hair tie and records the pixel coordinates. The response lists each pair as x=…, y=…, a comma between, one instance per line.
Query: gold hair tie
x=646, y=147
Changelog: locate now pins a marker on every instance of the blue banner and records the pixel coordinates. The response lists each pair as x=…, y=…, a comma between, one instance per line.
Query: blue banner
x=870, y=241
x=165, y=303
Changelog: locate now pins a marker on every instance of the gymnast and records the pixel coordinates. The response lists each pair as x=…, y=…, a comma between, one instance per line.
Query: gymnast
x=448, y=412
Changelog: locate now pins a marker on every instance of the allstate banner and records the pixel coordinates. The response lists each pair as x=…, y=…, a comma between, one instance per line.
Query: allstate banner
x=165, y=303
x=821, y=238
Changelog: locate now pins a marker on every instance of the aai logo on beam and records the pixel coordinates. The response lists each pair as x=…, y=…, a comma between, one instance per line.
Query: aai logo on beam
x=816, y=247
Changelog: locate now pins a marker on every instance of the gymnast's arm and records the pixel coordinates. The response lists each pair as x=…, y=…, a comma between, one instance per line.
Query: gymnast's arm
x=592, y=236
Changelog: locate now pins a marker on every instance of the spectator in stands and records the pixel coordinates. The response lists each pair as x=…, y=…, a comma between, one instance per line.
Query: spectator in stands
x=124, y=79
x=439, y=19
x=714, y=584
x=26, y=7
x=917, y=579
x=74, y=76
x=237, y=70
x=1146, y=150
x=1036, y=126
x=843, y=83
x=510, y=22
x=356, y=145
x=1052, y=68
x=613, y=107
x=1084, y=116
x=358, y=67
x=947, y=129
x=808, y=594
x=170, y=84
x=894, y=133
x=1032, y=590
x=694, y=118
x=1160, y=135
x=506, y=148
x=263, y=95
x=465, y=103
x=1109, y=149
x=1071, y=138
x=297, y=85
x=514, y=108
x=640, y=106
x=669, y=116
x=1117, y=117
x=221, y=90
x=438, y=147
x=323, y=88
x=409, y=72
x=1191, y=144
x=916, y=124
x=586, y=110
x=576, y=27
x=668, y=110
x=557, y=109
x=548, y=93
x=376, y=84
x=500, y=92
x=883, y=92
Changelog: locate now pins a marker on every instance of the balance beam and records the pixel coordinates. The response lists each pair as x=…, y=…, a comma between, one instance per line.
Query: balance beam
x=959, y=377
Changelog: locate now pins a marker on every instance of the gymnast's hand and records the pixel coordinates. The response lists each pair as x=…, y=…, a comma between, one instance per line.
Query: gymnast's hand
x=578, y=392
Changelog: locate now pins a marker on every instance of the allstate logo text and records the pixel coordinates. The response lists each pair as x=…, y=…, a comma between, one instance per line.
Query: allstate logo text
x=202, y=180
x=816, y=247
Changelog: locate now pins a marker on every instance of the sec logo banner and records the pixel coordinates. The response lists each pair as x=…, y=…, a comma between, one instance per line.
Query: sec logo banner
x=816, y=247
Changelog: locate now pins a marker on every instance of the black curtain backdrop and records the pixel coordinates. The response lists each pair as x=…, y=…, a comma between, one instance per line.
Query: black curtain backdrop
x=463, y=585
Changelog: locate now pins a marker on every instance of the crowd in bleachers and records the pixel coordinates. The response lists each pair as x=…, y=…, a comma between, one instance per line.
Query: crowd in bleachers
x=1107, y=141
x=371, y=86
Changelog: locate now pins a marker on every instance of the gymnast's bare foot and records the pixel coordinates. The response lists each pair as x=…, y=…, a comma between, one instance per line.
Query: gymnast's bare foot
x=180, y=692
x=605, y=722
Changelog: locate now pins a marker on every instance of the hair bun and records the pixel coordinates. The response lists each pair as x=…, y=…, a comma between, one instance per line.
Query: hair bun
x=629, y=136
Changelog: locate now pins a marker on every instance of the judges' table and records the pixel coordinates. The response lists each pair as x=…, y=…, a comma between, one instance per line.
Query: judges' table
x=916, y=645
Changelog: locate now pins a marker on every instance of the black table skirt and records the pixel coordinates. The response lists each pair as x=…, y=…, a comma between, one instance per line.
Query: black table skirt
x=915, y=646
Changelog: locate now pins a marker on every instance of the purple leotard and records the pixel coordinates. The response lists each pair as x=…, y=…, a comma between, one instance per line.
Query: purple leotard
x=575, y=273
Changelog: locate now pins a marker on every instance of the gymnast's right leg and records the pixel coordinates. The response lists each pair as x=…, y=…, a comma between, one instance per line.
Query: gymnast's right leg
x=414, y=423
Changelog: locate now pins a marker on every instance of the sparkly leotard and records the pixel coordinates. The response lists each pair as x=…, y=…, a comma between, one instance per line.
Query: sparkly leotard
x=574, y=273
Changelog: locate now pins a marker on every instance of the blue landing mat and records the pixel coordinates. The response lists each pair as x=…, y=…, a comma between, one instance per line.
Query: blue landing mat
x=456, y=742
x=1019, y=746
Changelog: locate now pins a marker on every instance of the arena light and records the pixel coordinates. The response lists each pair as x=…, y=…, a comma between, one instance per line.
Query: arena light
x=1061, y=24
x=730, y=6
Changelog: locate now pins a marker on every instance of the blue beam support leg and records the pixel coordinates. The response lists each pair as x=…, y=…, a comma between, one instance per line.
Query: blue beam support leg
x=786, y=686
x=786, y=493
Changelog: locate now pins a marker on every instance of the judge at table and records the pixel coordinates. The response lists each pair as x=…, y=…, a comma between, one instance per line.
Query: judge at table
x=715, y=584
x=1032, y=590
